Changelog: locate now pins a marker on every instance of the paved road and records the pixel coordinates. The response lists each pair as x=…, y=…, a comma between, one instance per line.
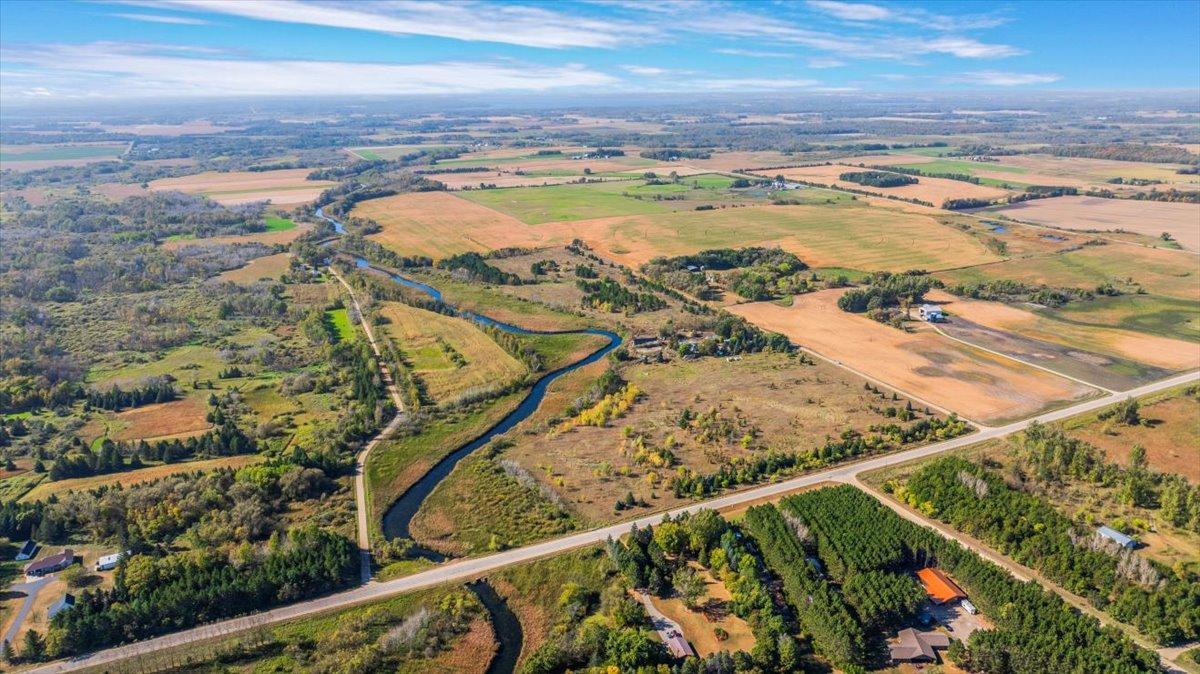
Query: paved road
x=31, y=590
x=360, y=461
x=466, y=569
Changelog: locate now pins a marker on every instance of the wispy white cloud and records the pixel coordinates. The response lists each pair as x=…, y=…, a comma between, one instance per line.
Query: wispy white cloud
x=748, y=84
x=997, y=78
x=645, y=71
x=754, y=53
x=527, y=26
x=115, y=69
x=164, y=18
x=825, y=62
x=861, y=12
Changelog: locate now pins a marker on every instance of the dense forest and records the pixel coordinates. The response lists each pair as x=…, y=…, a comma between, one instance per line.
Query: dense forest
x=878, y=178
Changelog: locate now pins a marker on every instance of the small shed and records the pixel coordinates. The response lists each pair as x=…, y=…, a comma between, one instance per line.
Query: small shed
x=1117, y=537
x=27, y=551
x=67, y=601
x=109, y=562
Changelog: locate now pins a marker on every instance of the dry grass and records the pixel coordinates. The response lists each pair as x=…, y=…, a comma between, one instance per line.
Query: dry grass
x=933, y=190
x=130, y=477
x=1150, y=218
x=174, y=419
x=283, y=237
x=420, y=334
x=978, y=385
x=698, y=630
x=1170, y=441
x=288, y=186
x=269, y=266
x=1159, y=351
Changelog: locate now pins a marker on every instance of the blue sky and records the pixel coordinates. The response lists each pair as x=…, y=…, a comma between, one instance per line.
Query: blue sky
x=154, y=49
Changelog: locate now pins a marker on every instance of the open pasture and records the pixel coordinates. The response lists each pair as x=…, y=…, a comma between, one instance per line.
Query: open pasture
x=933, y=190
x=1151, y=218
x=30, y=157
x=282, y=187
x=130, y=477
x=978, y=385
x=266, y=267
x=789, y=405
x=269, y=237
x=849, y=234
x=1049, y=325
x=390, y=152
x=1170, y=439
x=1099, y=171
x=430, y=342
x=556, y=203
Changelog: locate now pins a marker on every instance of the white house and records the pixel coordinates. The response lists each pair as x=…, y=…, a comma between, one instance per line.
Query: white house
x=109, y=562
x=931, y=313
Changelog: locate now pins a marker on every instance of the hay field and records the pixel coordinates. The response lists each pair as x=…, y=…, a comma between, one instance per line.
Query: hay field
x=129, y=477
x=458, y=181
x=30, y=157
x=536, y=205
x=1160, y=272
x=389, y=152
x=438, y=225
x=1100, y=170
x=850, y=235
x=933, y=190
x=287, y=186
x=1170, y=442
x=174, y=419
x=426, y=338
x=268, y=266
x=978, y=385
x=1173, y=354
x=1150, y=218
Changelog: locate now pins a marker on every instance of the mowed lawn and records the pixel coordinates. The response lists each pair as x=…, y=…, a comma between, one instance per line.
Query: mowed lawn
x=430, y=341
x=853, y=235
x=535, y=205
x=339, y=320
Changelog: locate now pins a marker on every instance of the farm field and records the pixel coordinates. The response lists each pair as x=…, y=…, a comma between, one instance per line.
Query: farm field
x=282, y=187
x=1151, y=218
x=390, y=152
x=932, y=190
x=784, y=404
x=268, y=266
x=1047, y=325
x=432, y=342
x=126, y=478
x=459, y=181
x=977, y=385
x=30, y=157
x=1099, y=171
x=1159, y=272
x=270, y=237
x=848, y=234
x=536, y=205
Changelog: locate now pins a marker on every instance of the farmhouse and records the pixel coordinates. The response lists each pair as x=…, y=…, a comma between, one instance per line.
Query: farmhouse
x=939, y=587
x=109, y=562
x=931, y=313
x=27, y=551
x=1117, y=537
x=914, y=646
x=48, y=565
x=67, y=601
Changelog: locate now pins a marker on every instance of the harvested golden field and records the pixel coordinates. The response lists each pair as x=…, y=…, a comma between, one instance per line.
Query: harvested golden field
x=126, y=478
x=1170, y=439
x=282, y=237
x=977, y=385
x=1099, y=171
x=450, y=355
x=438, y=224
x=192, y=128
x=1151, y=218
x=287, y=186
x=850, y=234
x=933, y=190
x=733, y=161
x=1173, y=354
x=458, y=181
x=268, y=266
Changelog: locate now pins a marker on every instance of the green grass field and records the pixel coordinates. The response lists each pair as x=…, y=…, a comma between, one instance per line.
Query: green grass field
x=60, y=152
x=277, y=224
x=389, y=152
x=535, y=205
x=961, y=166
x=340, y=320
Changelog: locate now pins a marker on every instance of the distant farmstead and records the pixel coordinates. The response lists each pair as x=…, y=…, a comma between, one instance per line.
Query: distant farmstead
x=931, y=313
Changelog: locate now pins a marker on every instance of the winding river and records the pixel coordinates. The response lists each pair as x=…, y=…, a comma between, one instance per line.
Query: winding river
x=397, y=520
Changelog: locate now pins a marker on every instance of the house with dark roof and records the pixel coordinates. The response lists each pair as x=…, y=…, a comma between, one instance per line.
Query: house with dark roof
x=67, y=601
x=27, y=551
x=914, y=646
x=48, y=565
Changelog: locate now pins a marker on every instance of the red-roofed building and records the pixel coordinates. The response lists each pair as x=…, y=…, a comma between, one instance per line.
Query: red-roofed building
x=938, y=586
